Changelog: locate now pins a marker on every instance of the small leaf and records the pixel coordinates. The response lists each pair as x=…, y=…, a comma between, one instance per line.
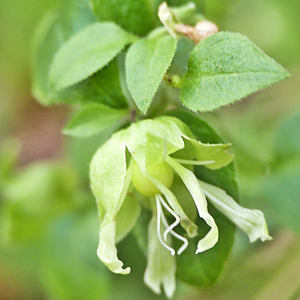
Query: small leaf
x=135, y=16
x=93, y=119
x=147, y=62
x=87, y=52
x=225, y=68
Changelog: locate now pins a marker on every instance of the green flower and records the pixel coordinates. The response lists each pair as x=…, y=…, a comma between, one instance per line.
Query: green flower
x=144, y=157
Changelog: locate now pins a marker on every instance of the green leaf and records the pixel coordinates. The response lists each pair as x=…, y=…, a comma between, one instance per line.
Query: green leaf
x=204, y=269
x=55, y=28
x=138, y=17
x=102, y=87
x=225, y=68
x=94, y=119
x=87, y=52
x=147, y=62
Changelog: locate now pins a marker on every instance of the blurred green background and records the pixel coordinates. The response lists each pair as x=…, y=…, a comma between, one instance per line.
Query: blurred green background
x=48, y=217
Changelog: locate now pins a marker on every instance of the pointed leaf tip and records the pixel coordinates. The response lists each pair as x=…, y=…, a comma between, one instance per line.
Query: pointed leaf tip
x=147, y=62
x=86, y=52
x=224, y=68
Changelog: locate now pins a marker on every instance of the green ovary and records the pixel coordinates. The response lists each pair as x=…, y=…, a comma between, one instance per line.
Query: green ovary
x=162, y=172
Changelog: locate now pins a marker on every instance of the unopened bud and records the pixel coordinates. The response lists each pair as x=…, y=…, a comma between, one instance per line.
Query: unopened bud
x=204, y=29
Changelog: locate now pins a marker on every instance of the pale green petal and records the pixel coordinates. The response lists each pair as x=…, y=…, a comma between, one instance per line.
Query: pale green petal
x=110, y=182
x=193, y=186
x=107, y=250
x=161, y=265
x=166, y=17
x=201, y=151
x=169, y=272
x=251, y=221
x=216, y=152
x=107, y=174
x=152, y=276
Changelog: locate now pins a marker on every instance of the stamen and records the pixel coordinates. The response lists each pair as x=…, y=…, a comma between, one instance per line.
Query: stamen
x=173, y=225
x=159, y=214
x=185, y=241
x=194, y=162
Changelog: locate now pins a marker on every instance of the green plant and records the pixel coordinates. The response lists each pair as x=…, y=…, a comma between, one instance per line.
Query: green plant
x=119, y=67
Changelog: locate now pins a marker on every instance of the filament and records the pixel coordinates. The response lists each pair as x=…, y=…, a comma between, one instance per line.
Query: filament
x=176, y=235
x=159, y=214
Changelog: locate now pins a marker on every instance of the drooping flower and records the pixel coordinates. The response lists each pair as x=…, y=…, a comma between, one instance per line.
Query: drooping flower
x=144, y=156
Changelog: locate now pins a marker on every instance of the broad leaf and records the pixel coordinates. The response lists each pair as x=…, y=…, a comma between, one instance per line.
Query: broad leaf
x=87, y=52
x=138, y=17
x=94, y=119
x=225, y=68
x=203, y=269
x=54, y=29
x=147, y=62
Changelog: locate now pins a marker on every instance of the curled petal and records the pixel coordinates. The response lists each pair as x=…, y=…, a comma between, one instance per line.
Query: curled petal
x=193, y=186
x=216, y=152
x=251, y=221
x=107, y=250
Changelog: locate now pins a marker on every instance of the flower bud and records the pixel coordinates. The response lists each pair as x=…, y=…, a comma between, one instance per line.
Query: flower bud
x=204, y=29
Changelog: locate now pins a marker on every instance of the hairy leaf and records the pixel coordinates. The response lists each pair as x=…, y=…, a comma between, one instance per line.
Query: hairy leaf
x=87, y=52
x=225, y=68
x=147, y=62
